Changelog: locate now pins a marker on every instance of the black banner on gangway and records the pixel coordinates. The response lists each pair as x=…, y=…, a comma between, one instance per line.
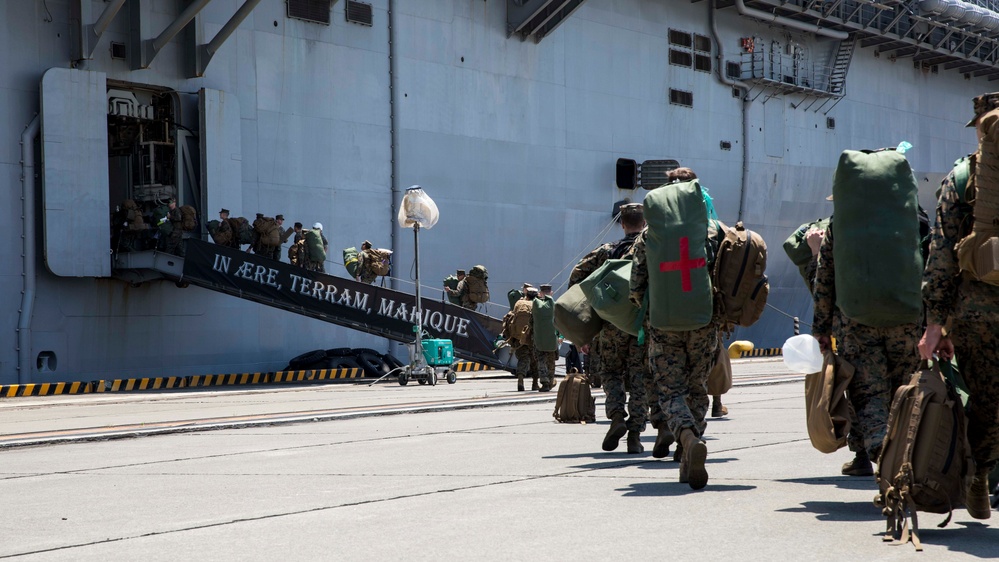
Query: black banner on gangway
x=345, y=302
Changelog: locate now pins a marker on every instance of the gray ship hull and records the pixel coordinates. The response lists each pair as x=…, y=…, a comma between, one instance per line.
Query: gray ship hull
x=516, y=141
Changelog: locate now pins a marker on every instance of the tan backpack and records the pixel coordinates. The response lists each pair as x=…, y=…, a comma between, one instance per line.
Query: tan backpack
x=298, y=253
x=189, y=218
x=380, y=261
x=738, y=276
x=925, y=462
x=574, y=403
x=478, y=289
x=827, y=410
x=269, y=231
x=520, y=327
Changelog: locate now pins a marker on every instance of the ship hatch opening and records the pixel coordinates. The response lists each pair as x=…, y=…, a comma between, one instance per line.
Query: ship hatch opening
x=152, y=158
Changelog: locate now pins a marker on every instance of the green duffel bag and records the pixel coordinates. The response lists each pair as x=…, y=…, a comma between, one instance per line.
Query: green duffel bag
x=314, y=245
x=513, y=296
x=450, y=282
x=607, y=290
x=680, y=293
x=876, y=247
x=543, y=329
x=575, y=318
x=350, y=261
x=797, y=250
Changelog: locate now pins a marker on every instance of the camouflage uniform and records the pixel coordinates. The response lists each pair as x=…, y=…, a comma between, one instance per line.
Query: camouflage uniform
x=884, y=358
x=523, y=347
x=616, y=356
x=462, y=293
x=971, y=310
x=680, y=361
x=172, y=241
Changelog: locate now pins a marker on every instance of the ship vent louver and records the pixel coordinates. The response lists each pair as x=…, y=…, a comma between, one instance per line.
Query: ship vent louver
x=316, y=11
x=680, y=58
x=359, y=13
x=680, y=97
x=733, y=70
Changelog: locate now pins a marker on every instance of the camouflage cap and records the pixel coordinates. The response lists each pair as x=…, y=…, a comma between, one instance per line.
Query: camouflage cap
x=224, y=210
x=279, y=217
x=531, y=291
x=983, y=104
x=460, y=272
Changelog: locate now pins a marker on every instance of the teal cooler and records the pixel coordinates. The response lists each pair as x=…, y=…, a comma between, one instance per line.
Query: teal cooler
x=438, y=353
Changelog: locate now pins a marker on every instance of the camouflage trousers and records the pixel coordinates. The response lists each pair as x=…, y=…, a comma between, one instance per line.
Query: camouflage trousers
x=545, y=362
x=976, y=346
x=368, y=276
x=621, y=364
x=527, y=362
x=884, y=359
x=680, y=364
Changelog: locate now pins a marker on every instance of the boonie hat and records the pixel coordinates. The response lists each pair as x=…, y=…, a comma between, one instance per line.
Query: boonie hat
x=983, y=104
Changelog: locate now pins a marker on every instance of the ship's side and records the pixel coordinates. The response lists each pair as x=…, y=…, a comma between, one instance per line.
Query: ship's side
x=514, y=132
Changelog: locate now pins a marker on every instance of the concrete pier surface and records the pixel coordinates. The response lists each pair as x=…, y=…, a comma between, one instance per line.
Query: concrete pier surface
x=471, y=470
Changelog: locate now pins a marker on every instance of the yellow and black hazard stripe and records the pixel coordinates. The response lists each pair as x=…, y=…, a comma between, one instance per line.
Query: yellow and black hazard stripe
x=764, y=352
x=318, y=374
x=158, y=383
x=152, y=383
x=44, y=389
x=466, y=366
x=227, y=380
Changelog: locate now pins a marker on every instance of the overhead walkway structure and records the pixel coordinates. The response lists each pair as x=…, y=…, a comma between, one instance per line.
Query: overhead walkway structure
x=367, y=308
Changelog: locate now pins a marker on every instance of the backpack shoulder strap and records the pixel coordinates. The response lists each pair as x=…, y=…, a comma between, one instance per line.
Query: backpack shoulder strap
x=962, y=171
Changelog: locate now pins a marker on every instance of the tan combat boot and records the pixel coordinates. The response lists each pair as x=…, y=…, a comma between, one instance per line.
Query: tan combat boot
x=977, y=501
x=617, y=430
x=695, y=453
x=635, y=442
x=663, y=440
x=520, y=383
x=717, y=408
x=859, y=466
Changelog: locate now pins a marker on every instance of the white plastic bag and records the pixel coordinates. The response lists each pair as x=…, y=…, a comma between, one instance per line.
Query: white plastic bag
x=418, y=208
x=802, y=354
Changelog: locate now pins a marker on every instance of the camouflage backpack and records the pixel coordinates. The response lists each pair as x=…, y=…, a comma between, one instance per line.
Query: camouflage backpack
x=189, y=218
x=269, y=231
x=242, y=230
x=478, y=289
x=222, y=237
x=298, y=254
x=738, y=276
x=133, y=216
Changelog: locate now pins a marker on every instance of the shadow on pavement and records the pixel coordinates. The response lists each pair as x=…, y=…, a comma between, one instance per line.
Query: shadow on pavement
x=845, y=482
x=839, y=511
x=976, y=539
x=669, y=489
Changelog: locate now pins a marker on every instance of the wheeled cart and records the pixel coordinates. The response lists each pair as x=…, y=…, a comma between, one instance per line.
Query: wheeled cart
x=438, y=362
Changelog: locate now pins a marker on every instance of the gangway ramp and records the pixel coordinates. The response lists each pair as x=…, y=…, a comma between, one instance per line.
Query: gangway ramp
x=367, y=308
